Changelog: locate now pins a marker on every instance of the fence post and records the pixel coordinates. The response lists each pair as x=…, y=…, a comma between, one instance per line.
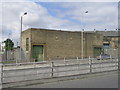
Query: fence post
x=16, y=61
x=90, y=63
x=64, y=61
x=52, y=66
x=34, y=63
x=100, y=63
x=1, y=75
x=118, y=63
x=110, y=57
x=77, y=60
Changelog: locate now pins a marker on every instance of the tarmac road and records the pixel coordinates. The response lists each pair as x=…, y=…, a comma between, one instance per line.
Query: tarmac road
x=104, y=80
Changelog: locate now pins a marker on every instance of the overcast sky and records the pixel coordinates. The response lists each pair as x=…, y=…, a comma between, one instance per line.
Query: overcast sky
x=65, y=15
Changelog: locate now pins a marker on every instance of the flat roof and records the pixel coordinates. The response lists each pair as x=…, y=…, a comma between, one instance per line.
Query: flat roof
x=107, y=33
x=29, y=29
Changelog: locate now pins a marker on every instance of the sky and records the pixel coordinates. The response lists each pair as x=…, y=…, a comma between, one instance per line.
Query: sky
x=66, y=15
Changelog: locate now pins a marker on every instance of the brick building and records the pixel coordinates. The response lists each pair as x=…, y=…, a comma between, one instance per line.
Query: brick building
x=45, y=44
x=110, y=42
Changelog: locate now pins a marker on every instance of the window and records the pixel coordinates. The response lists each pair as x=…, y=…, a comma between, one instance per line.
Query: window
x=27, y=44
x=106, y=46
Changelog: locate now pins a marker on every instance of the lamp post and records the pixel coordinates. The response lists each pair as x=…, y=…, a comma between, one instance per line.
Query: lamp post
x=116, y=30
x=94, y=30
x=82, y=43
x=21, y=36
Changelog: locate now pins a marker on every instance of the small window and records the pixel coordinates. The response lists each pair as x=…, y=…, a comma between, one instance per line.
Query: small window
x=27, y=44
x=106, y=46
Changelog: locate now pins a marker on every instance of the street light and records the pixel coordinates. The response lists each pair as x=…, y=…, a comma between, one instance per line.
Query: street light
x=82, y=42
x=105, y=30
x=116, y=30
x=82, y=36
x=94, y=30
x=21, y=36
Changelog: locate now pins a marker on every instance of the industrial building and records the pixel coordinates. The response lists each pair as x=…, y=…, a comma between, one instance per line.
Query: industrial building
x=110, y=42
x=46, y=44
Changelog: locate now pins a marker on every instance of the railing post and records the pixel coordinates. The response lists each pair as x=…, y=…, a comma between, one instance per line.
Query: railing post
x=16, y=61
x=49, y=58
x=90, y=63
x=100, y=56
x=77, y=60
x=34, y=63
x=118, y=63
x=1, y=75
x=52, y=67
x=100, y=63
x=110, y=57
x=64, y=61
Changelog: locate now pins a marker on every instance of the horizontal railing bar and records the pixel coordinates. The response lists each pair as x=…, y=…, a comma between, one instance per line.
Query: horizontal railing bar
x=46, y=62
x=104, y=66
x=62, y=71
x=104, y=62
x=50, y=66
x=45, y=67
x=71, y=65
x=42, y=68
x=48, y=72
x=26, y=75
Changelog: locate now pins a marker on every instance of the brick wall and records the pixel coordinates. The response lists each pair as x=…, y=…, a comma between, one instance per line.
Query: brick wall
x=60, y=44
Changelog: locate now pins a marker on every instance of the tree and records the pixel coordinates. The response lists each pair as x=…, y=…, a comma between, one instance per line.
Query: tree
x=8, y=44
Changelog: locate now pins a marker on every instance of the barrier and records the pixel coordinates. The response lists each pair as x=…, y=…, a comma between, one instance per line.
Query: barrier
x=51, y=69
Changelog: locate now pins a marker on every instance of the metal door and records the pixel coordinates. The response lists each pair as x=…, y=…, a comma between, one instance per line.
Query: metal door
x=37, y=52
x=97, y=51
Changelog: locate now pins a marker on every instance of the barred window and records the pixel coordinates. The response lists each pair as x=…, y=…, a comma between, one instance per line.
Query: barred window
x=27, y=44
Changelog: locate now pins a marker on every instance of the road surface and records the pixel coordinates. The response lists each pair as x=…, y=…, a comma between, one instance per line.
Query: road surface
x=104, y=80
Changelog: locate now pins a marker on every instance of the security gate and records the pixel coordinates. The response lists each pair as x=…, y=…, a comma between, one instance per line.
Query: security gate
x=37, y=52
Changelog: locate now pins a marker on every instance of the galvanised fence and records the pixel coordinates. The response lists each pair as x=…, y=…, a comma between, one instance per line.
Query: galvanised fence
x=23, y=72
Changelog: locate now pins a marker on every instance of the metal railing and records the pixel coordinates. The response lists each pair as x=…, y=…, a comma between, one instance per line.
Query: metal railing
x=11, y=73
